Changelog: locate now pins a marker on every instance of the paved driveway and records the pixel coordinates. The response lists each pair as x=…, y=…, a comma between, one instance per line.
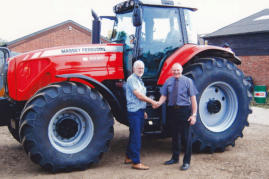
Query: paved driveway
x=259, y=116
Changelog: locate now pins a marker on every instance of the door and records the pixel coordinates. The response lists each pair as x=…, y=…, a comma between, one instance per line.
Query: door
x=161, y=35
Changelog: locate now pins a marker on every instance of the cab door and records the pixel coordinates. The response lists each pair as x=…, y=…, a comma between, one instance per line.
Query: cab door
x=161, y=35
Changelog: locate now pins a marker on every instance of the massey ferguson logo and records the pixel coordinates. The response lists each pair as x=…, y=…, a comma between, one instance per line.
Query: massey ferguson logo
x=80, y=50
x=259, y=94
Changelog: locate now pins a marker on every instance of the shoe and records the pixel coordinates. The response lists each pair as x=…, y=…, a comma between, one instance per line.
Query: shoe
x=140, y=166
x=170, y=162
x=128, y=160
x=185, y=166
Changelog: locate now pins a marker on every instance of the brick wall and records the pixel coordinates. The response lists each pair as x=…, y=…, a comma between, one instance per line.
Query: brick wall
x=257, y=67
x=67, y=34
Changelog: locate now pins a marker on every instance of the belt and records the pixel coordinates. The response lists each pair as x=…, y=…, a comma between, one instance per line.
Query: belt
x=179, y=107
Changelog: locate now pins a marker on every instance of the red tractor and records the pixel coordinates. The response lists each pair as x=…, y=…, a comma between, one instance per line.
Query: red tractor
x=60, y=103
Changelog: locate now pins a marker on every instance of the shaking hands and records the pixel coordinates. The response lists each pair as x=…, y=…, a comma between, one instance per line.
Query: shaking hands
x=155, y=104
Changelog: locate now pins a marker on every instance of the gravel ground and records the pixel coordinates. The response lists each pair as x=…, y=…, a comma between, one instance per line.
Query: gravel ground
x=248, y=159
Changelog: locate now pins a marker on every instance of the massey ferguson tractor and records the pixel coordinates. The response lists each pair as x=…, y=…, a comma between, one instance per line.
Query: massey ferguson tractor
x=60, y=103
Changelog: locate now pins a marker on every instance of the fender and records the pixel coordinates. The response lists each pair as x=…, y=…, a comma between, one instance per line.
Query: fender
x=106, y=92
x=188, y=52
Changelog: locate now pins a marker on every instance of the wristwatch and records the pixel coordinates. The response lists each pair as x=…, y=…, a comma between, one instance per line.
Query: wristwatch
x=194, y=114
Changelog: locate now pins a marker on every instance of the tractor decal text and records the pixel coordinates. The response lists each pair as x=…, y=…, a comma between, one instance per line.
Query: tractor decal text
x=81, y=50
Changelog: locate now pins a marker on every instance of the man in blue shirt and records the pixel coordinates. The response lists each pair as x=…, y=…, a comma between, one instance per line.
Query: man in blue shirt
x=180, y=92
x=136, y=105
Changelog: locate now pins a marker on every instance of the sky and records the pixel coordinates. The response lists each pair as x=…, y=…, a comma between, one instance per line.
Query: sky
x=23, y=17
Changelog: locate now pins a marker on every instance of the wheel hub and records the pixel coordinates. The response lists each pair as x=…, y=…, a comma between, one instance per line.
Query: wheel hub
x=218, y=106
x=213, y=106
x=67, y=127
x=70, y=130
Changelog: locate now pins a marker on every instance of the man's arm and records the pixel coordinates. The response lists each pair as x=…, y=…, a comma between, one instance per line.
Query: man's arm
x=192, y=118
x=144, y=98
x=160, y=102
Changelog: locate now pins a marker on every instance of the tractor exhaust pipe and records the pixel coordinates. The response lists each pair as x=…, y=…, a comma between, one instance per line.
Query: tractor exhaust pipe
x=96, y=28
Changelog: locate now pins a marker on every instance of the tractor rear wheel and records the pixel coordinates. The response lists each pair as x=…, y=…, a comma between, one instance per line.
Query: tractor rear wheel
x=66, y=126
x=223, y=103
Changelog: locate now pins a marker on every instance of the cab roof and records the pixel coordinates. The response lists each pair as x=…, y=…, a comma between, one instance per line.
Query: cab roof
x=129, y=4
x=169, y=3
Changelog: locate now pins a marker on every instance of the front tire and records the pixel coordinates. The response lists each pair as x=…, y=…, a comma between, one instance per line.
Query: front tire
x=66, y=126
x=223, y=103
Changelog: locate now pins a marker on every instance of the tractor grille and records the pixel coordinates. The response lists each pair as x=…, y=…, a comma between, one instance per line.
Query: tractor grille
x=154, y=122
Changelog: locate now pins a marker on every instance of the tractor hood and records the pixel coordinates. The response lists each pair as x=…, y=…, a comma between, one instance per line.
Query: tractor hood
x=33, y=70
x=72, y=50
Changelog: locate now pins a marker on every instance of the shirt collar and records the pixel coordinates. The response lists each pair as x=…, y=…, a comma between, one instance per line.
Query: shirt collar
x=137, y=76
x=178, y=78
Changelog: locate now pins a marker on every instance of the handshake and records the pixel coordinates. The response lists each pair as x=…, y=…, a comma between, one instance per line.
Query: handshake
x=155, y=104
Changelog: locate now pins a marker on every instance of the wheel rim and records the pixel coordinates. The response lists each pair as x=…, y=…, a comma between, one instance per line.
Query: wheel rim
x=218, y=106
x=70, y=130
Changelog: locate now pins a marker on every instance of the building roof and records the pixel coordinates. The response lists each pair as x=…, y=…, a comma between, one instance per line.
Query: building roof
x=47, y=29
x=258, y=22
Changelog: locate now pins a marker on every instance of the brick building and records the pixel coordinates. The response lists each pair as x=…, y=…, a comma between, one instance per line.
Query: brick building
x=65, y=33
x=249, y=39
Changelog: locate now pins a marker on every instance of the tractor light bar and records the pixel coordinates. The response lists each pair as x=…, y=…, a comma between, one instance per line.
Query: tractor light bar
x=124, y=6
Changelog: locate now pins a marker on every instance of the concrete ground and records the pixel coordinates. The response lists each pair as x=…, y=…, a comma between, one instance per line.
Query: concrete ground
x=259, y=116
x=248, y=159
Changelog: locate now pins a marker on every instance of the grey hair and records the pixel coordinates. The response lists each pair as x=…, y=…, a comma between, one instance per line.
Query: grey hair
x=138, y=63
x=178, y=64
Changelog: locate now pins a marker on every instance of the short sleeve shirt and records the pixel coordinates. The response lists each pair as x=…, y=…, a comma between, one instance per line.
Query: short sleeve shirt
x=186, y=89
x=134, y=82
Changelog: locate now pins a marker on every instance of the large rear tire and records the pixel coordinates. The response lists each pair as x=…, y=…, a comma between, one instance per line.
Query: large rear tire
x=223, y=103
x=66, y=126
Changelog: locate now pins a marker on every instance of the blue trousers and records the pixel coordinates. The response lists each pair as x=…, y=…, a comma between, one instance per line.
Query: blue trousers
x=136, y=125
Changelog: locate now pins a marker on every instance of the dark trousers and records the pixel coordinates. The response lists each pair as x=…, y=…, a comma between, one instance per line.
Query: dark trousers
x=136, y=125
x=180, y=131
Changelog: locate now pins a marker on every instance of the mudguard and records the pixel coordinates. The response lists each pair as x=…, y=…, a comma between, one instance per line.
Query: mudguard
x=189, y=52
x=107, y=93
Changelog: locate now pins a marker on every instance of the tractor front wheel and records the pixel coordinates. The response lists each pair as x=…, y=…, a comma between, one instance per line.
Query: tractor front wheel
x=66, y=126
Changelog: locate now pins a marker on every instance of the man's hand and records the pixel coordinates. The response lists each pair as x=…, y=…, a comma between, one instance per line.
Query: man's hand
x=145, y=115
x=192, y=120
x=155, y=105
x=159, y=103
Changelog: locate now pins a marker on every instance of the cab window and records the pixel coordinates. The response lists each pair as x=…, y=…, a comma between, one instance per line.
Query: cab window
x=160, y=35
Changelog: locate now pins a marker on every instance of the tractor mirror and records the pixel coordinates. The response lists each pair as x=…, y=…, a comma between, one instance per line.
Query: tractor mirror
x=137, y=16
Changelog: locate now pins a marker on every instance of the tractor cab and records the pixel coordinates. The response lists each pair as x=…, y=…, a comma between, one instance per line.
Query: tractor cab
x=151, y=32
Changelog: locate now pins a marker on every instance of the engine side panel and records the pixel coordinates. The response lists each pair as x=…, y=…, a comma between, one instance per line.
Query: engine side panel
x=38, y=69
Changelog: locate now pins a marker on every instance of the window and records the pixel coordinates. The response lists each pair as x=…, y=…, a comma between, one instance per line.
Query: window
x=160, y=35
x=191, y=30
x=123, y=29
